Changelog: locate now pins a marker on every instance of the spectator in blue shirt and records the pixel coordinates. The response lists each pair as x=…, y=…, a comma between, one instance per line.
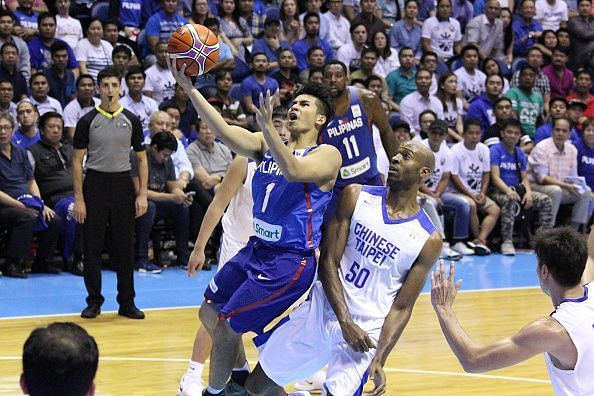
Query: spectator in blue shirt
x=426, y=9
x=463, y=11
x=406, y=32
x=130, y=13
x=558, y=109
x=26, y=20
x=257, y=83
x=40, y=47
x=62, y=83
x=585, y=149
x=481, y=107
x=508, y=175
x=270, y=43
x=311, y=21
x=161, y=25
x=526, y=29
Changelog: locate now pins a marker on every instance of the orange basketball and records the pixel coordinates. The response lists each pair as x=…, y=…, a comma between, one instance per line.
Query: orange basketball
x=195, y=46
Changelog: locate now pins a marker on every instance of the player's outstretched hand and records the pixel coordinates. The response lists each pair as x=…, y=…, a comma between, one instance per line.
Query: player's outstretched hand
x=376, y=373
x=356, y=337
x=443, y=289
x=196, y=261
x=180, y=76
x=264, y=112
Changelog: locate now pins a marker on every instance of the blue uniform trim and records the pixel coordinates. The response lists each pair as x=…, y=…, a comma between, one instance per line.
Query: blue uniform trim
x=364, y=379
x=261, y=339
x=578, y=300
x=421, y=216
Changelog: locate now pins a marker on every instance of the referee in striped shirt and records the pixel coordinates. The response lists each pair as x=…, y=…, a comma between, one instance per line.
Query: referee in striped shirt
x=107, y=195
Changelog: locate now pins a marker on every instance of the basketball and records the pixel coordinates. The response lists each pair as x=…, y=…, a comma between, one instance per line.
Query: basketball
x=195, y=46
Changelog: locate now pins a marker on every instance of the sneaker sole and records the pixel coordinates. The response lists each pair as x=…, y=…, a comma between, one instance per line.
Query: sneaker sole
x=144, y=271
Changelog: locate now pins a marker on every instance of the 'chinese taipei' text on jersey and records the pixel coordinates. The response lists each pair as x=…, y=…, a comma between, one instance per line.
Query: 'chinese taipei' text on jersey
x=379, y=253
x=287, y=215
x=352, y=135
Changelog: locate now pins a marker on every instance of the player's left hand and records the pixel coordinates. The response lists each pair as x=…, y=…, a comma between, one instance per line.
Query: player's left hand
x=376, y=373
x=141, y=205
x=355, y=336
x=443, y=289
x=264, y=112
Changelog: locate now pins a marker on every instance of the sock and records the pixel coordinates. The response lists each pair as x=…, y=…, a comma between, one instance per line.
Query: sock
x=213, y=392
x=195, y=368
x=239, y=375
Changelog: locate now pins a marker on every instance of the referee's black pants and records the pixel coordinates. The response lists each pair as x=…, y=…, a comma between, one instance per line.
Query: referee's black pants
x=110, y=199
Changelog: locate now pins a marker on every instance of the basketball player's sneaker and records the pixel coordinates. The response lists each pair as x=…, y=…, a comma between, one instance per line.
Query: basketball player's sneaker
x=190, y=385
x=315, y=383
x=448, y=254
x=461, y=248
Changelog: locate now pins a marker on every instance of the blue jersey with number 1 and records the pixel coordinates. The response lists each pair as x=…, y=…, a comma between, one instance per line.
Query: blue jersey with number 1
x=287, y=215
x=352, y=135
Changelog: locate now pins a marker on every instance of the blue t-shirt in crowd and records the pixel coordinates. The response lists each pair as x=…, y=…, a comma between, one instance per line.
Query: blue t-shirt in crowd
x=26, y=20
x=507, y=164
x=251, y=87
x=41, y=55
x=23, y=141
x=481, y=108
x=545, y=131
x=260, y=45
x=300, y=48
x=130, y=12
x=585, y=162
x=162, y=26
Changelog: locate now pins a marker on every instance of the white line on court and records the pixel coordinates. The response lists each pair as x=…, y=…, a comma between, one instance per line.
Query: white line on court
x=198, y=306
x=388, y=369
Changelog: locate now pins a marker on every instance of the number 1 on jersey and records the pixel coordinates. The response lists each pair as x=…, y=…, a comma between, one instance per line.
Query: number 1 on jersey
x=347, y=146
x=267, y=196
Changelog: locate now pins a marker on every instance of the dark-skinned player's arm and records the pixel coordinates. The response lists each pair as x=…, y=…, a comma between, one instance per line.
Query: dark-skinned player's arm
x=378, y=117
x=239, y=140
x=331, y=250
x=401, y=310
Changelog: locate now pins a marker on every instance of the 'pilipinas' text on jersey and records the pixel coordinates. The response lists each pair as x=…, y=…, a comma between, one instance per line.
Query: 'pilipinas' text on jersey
x=352, y=135
x=287, y=215
x=379, y=253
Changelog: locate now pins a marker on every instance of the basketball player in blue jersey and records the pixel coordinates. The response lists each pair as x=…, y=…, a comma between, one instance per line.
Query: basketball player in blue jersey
x=375, y=257
x=350, y=131
x=565, y=269
x=291, y=188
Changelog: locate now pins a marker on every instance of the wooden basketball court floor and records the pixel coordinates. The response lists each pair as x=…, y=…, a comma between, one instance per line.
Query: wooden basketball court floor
x=148, y=357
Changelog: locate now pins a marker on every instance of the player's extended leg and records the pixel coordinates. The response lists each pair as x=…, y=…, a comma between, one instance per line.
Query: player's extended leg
x=258, y=383
x=492, y=212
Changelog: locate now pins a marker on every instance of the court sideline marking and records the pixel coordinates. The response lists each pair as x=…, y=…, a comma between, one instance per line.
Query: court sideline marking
x=387, y=369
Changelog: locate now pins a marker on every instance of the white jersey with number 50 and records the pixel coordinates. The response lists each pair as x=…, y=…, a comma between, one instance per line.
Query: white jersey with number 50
x=379, y=253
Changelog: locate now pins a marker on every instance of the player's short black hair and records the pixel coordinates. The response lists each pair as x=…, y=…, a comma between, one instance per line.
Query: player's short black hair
x=60, y=359
x=164, y=141
x=324, y=98
x=472, y=121
x=564, y=251
x=513, y=122
x=82, y=77
x=335, y=62
x=58, y=46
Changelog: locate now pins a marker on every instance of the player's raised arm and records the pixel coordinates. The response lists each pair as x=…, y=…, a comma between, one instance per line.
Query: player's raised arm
x=331, y=250
x=401, y=309
x=321, y=165
x=542, y=335
x=378, y=116
x=240, y=140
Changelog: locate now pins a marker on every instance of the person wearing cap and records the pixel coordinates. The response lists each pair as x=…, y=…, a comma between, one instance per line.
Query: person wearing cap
x=510, y=186
x=437, y=183
x=575, y=113
x=270, y=43
x=583, y=86
x=557, y=109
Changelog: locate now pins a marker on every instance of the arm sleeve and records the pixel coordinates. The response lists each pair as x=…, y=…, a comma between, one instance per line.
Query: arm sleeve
x=137, y=135
x=81, y=133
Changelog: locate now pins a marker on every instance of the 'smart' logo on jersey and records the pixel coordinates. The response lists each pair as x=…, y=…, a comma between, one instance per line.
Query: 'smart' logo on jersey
x=268, y=232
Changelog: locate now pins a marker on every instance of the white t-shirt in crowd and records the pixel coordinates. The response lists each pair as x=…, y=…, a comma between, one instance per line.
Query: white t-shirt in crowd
x=442, y=35
x=550, y=16
x=74, y=112
x=471, y=85
x=443, y=164
x=470, y=165
x=49, y=104
x=160, y=82
x=96, y=58
x=69, y=29
x=143, y=109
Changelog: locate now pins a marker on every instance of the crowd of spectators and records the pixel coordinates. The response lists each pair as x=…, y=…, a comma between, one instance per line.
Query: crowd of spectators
x=500, y=90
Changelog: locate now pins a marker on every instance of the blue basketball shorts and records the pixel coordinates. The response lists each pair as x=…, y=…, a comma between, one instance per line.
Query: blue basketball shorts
x=258, y=284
